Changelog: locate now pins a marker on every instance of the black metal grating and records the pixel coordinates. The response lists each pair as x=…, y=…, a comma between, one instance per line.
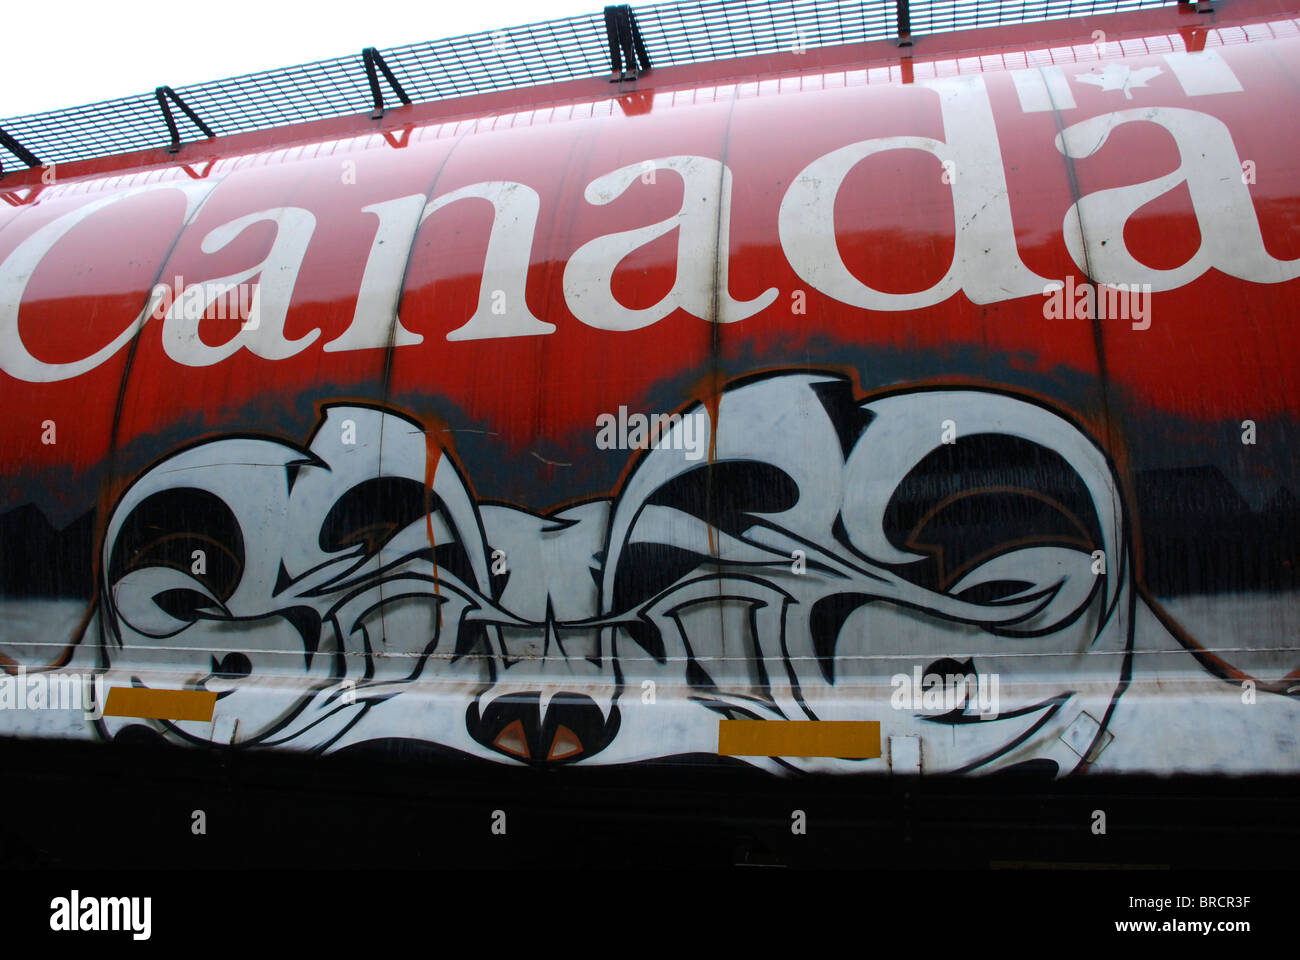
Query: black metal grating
x=550, y=51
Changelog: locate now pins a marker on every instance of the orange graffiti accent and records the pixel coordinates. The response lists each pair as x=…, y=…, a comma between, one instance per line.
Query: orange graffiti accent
x=513, y=741
x=566, y=744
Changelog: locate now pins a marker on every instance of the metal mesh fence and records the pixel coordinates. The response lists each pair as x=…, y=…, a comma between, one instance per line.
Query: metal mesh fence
x=550, y=51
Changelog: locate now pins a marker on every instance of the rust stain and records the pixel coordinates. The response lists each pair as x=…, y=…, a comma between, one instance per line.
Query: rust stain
x=712, y=400
x=432, y=457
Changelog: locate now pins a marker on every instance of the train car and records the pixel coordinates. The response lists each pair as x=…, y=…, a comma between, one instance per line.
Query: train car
x=853, y=409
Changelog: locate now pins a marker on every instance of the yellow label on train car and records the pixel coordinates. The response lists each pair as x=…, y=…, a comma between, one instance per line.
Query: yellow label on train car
x=845, y=739
x=160, y=704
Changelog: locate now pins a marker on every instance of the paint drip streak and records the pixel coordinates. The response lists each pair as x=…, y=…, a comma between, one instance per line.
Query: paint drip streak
x=432, y=457
x=711, y=403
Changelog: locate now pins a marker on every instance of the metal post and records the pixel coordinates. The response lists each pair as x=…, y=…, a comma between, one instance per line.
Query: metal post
x=167, y=93
x=904, y=16
x=372, y=61
x=627, y=53
x=18, y=150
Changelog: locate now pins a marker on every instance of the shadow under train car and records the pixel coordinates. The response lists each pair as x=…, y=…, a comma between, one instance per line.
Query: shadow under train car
x=88, y=806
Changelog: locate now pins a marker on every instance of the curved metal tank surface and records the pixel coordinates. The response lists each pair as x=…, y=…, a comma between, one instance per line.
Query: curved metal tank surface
x=831, y=412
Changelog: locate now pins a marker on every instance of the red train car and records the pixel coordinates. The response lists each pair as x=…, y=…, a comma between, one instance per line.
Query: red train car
x=845, y=410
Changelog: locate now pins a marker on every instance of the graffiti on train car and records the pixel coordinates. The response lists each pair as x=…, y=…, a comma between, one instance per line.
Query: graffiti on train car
x=932, y=469
x=353, y=588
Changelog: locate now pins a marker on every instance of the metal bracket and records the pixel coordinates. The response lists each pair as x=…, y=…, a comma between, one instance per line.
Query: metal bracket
x=627, y=55
x=903, y=12
x=1082, y=734
x=905, y=755
x=18, y=150
x=167, y=93
x=372, y=60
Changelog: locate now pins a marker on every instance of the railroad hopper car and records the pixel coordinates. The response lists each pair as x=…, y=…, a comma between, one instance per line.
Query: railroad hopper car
x=856, y=409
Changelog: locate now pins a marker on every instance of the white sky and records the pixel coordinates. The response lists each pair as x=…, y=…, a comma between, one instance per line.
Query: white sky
x=101, y=49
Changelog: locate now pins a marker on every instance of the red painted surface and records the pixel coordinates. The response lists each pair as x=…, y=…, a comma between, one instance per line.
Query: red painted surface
x=1219, y=347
